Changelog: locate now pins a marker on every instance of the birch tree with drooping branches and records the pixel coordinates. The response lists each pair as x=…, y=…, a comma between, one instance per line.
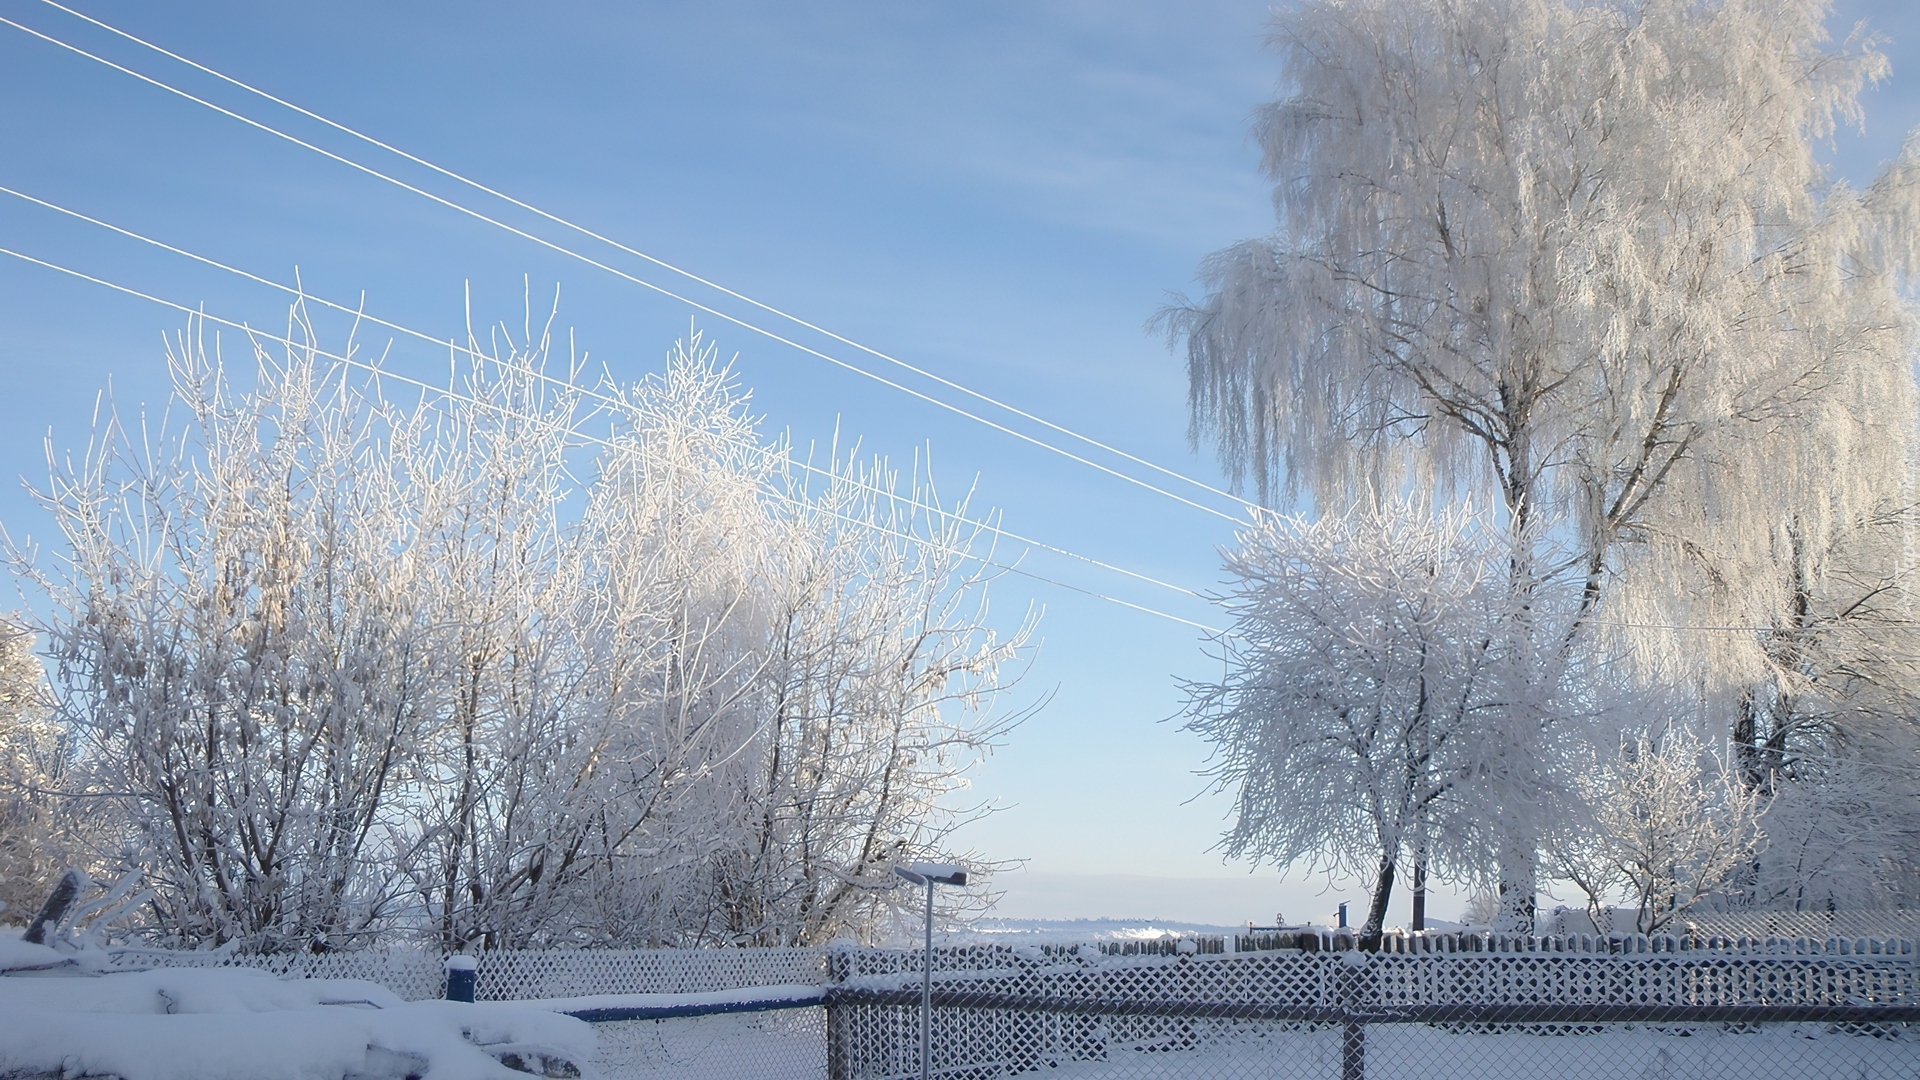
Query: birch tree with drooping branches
x=1579, y=261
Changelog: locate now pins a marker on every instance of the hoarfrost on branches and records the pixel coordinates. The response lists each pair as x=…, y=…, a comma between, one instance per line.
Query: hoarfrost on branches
x=523, y=662
x=1370, y=706
x=35, y=840
x=1671, y=826
x=1580, y=261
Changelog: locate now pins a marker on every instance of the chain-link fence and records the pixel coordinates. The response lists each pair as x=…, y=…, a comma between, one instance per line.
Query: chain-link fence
x=766, y=1043
x=1349, y=1015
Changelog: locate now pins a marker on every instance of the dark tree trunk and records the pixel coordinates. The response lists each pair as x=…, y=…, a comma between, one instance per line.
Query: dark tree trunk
x=1377, y=908
x=1419, y=893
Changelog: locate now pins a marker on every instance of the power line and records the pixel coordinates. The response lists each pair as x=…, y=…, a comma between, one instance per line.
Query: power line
x=584, y=231
x=1005, y=533
x=609, y=399
x=357, y=313
x=590, y=261
x=1874, y=628
x=449, y=393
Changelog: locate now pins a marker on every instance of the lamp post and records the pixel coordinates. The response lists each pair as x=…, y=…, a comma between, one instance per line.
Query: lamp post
x=929, y=874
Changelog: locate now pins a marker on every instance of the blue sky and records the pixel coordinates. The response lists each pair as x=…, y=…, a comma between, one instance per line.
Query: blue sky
x=1001, y=193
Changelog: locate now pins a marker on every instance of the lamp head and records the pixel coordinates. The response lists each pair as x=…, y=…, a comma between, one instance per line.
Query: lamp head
x=937, y=873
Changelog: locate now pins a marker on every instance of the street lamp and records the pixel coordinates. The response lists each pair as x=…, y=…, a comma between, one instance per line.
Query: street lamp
x=929, y=874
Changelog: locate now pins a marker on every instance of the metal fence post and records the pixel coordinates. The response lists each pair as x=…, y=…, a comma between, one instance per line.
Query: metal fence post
x=926, y=992
x=839, y=966
x=1353, y=1036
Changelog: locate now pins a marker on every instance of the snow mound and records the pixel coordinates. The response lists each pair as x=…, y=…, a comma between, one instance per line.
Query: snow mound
x=17, y=955
x=186, y=1024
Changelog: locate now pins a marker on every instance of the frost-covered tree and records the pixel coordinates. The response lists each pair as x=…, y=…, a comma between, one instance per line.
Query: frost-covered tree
x=35, y=831
x=729, y=705
x=1830, y=730
x=520, y=662
x=498, y=803
x=613, y=677
x=1671, y=825
x=876, y=657
x=1578, y=259
x=238, y=647
x=1368, y=677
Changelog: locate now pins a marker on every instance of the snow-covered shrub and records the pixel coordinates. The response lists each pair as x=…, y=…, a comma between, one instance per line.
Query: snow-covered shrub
x=1671, y=826
x=522, y=662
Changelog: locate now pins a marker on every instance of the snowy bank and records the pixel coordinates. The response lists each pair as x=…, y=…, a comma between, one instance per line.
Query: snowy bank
x=17, y=955
x=187, y=1024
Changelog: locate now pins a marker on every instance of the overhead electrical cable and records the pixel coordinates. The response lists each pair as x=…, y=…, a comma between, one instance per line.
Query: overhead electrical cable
x=609, y=241
x=1734, y=628
x=382, y=373
x=360, y=314
x=597, y=264
x=592, y=234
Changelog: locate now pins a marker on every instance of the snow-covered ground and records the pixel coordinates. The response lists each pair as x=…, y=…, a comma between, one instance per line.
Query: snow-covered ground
x=63, y=1015
x=787, y=1045
x=1425, y=1053
x=60, y=1016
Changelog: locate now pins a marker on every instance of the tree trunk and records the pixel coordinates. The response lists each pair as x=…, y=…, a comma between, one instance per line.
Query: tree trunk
x=1519, y=882
x=1419, y=922
x=1377, y=908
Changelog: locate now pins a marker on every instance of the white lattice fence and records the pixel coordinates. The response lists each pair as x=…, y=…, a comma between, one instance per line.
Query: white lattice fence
x=1308, y=1013
x=1684, y=979
x=1308, y=979
x=509, y=974
x=1816, y=925
x=520, y=974
x=1788, y=935
x=412, y=975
